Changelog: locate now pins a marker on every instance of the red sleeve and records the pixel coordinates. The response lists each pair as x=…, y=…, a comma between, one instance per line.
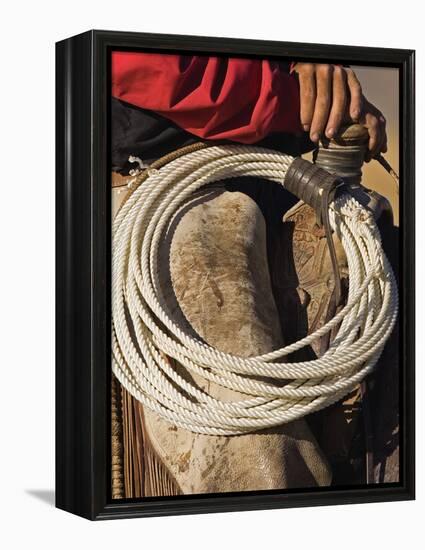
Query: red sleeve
x=241, y=100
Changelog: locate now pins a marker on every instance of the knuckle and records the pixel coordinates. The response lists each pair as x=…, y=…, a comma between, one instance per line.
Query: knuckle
x=308, y=69
x=322, y=103
x=338, y=71
x=324, y=70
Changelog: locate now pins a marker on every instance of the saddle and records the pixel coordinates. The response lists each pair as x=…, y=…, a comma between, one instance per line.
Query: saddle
x=247, y=278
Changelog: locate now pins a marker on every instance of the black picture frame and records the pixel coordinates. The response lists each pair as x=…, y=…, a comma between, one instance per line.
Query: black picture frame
x=83, y=275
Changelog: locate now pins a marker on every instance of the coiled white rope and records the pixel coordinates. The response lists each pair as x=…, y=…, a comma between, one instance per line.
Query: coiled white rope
x=143, y=334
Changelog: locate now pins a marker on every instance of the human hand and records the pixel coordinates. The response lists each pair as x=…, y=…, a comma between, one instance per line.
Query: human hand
x=374, y=121
x=331, y=95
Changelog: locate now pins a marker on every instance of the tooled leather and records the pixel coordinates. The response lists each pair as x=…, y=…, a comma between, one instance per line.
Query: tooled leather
x=305, y=290
x=309, y=269
x=316, y=188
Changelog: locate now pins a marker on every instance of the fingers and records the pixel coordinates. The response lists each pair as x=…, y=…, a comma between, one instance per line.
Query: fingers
x=339, y=101
x=356, y=95
x=328, y=94
x=324, y=79
x=383, y=145
x=307, y=80
x=375, y=123
x=372, y=125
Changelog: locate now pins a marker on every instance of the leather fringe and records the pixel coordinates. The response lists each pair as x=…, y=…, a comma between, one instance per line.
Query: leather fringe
x=158, y=481
x=142, y=472
x=117, y=477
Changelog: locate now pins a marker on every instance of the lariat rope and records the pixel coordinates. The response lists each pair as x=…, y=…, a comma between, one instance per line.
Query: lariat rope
x=144, y=336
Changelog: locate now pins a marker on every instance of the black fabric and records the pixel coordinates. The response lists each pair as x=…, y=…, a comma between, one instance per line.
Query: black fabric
x=147, y=135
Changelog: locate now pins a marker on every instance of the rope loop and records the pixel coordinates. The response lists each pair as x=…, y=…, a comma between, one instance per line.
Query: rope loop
x=146, y=340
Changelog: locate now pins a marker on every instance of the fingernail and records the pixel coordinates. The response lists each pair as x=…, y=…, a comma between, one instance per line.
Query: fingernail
x=355, y=114
x=306, y=127
x=330, y=133
x=315, y=137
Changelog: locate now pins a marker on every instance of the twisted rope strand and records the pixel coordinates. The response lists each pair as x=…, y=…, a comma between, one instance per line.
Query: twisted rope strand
x=146, y=340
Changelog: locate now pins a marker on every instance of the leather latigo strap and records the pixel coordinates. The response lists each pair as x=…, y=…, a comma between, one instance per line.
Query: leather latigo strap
x=316, y=187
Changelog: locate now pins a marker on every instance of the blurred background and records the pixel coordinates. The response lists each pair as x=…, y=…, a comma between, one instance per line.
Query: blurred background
x=381, y=87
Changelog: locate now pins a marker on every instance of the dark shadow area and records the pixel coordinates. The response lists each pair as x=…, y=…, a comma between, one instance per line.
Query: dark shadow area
x=384, y=385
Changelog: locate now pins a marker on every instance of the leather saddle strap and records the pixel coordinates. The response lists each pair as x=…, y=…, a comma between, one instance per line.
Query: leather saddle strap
x=316, y=187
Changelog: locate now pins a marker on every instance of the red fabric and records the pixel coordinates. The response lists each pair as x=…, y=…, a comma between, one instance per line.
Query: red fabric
x=241, y=100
